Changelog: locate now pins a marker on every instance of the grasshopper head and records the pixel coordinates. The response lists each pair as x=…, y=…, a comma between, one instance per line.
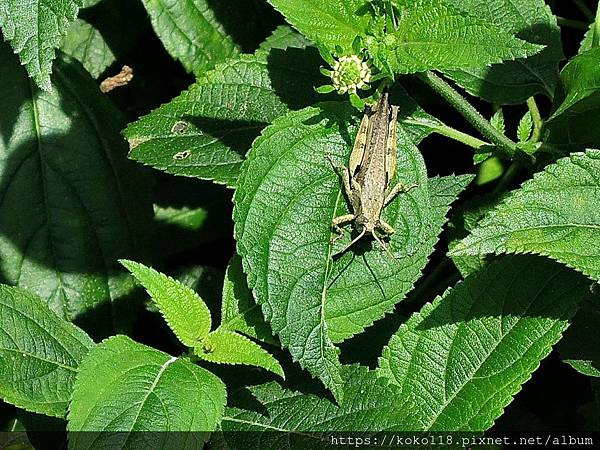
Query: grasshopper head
x=363, y=224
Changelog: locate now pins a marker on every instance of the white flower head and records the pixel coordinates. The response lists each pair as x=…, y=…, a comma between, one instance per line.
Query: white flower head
x=350, y=73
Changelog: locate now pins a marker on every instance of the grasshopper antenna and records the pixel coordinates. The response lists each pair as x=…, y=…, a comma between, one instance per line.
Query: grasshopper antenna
x=386, y=248
x=354, y=241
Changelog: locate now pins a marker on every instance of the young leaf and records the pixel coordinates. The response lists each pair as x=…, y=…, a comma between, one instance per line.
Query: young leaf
x=39, y=353
x=191, y=33
x=577, y=103
x=34, y=29
x=185, y=312
x=372, y=405
x=497, y=121
x=525, y=128
x=207, y=130
x=85, y=43
x=463, y=358
x=555, y=214
x=334, y=24
x=580, y=347
x=239, y=312
x=126, y=387
x=229, y=347
x=71, y=203
x=433, y=34
x=514, y=81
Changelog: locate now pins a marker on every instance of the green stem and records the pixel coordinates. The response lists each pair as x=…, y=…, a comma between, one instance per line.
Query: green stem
x=433, y=282
x=587, y=12
x=576, y=24
x=468, y=112
x=449, y=132
x=538, y=123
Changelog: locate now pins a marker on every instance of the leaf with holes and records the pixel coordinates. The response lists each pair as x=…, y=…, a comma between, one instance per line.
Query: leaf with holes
x=555, y=214
x=514, y=81
x=34, y=30
x=126, y=387
x=79, y=203
x=39, y=354
x=462, y=358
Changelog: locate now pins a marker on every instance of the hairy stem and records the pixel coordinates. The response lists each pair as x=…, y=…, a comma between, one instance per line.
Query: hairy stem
x=468, y=112
x=449, y=132
x=538, y=123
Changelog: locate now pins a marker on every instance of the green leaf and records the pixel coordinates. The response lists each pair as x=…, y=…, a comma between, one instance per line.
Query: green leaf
x=577, y=103
x=34, y=29
x=228, y=347
x=497, y=121
x=555, y=214
x=372, y=405
x=307, y=303
x=373, y=284
x=433, y=34
x=185, y=312
x=588, y=41
x=207, y=130
x=39, y=353
x=239, y=311
x=289, y=233
x=71, y=203
x=191, y=32
x=514, y=81
x=127, y=387
x=580, y=347
x=332, y=24
x=463, y=358
x=525, y=127
x=282, y=38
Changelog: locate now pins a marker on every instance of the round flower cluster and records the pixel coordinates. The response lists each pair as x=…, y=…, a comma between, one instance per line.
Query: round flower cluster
x=349, y=74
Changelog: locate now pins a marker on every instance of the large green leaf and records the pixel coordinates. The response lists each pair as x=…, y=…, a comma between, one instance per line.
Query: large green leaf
x=191, y=32
x=463, y=358
x=515, y=81
x=39, y=353
x=127, y=387
x=556, y=214
x=34, y=29
x=309, y=299
x=184, y=311
x=71, y=204
x=206, y=131
x=580, y=347
x=371, y=405
x=577, y=103
x=333, y=24
x=433, y=34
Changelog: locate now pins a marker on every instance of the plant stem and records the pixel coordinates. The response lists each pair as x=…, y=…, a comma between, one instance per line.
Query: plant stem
x=433, y=282
x=510, y=174
x=576, y=24
x=449, y=132
x=538, y=123
x=587, y=12
x=468, y=112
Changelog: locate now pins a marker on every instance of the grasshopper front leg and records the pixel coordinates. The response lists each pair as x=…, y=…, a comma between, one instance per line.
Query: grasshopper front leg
x=398, y=189
x=336, y=225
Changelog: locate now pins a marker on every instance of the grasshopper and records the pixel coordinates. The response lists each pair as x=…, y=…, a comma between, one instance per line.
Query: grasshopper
x=367, y=179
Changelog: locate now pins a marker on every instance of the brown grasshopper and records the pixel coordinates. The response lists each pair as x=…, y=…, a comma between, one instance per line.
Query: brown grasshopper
x=371, y=170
